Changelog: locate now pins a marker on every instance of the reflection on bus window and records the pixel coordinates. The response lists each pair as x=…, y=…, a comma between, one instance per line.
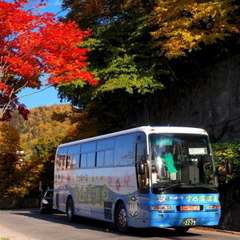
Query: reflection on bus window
x=125, y=151
x=61, y=159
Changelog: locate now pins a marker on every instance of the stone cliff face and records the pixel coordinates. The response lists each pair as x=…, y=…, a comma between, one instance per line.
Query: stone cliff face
x=230, y=203
x=209, y=99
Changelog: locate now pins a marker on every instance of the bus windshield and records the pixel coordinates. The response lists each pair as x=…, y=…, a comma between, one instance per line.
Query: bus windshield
x=181, y=159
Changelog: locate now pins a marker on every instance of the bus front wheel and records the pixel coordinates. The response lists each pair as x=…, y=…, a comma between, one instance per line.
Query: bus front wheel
x=121, y=218
x=70, y=210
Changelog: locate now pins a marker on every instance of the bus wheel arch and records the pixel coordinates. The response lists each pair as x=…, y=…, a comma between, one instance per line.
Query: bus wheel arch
x=120, y=217
x=70, y=209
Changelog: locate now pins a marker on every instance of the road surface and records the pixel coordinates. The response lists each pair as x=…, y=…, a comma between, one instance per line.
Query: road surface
x=29, y=224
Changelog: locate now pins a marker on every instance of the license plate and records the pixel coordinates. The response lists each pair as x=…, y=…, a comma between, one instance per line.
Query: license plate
x=190, y=208
x=189, y=222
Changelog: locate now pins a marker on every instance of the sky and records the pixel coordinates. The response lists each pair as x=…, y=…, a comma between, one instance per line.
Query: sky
x=49, y=96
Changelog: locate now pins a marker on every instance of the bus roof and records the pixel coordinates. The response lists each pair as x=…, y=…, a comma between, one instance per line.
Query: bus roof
x=145, y=129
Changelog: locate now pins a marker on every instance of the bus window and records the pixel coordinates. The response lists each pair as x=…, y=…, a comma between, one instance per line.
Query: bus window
x=108, y=160
x=74, y=149
x=88, y=147
x=100, y=159
x=68, y=159
x=181, y=158
x=105, y=144
x=83, y=160
x=124, y=154
x=61, y=159
x=91, y=159
x=143, y=177
x=74, y=161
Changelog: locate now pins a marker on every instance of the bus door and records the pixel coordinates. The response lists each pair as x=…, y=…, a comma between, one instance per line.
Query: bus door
x=142, y=170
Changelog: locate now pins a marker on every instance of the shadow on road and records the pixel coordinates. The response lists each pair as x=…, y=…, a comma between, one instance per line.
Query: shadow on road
x=95, y=225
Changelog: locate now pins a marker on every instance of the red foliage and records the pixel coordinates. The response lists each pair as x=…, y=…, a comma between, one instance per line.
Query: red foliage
x=33, y=44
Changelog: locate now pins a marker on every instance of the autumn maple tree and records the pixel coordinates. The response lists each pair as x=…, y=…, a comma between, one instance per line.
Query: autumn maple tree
x=33, y=44
x=9, y=144
x=186, y=25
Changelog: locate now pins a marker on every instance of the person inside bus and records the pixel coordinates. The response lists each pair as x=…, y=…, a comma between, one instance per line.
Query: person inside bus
x=169, y=163
x=163, y=162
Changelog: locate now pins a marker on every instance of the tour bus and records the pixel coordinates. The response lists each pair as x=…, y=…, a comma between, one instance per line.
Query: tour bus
x=150, y=176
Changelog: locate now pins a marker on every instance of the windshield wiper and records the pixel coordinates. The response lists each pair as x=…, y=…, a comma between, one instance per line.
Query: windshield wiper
x=170, y=187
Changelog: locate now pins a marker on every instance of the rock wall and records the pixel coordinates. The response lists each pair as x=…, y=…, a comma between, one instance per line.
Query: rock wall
x=209, y=99
x=230, y=203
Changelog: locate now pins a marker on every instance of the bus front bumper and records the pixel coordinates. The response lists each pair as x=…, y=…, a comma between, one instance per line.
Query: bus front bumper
x=189, y=219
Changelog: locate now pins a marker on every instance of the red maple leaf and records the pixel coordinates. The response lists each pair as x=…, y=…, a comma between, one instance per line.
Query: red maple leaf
x=110, y=180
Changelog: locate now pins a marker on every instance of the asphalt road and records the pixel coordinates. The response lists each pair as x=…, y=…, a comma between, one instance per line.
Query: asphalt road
x=31, y=225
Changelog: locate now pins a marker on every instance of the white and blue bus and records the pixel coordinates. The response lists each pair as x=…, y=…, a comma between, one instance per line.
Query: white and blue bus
x=142, y=177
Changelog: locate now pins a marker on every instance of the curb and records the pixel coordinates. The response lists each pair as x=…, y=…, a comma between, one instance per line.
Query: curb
x=217, y=230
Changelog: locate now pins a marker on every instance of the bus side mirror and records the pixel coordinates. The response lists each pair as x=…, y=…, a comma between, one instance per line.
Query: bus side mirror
x=140, y=168
x=228, y=165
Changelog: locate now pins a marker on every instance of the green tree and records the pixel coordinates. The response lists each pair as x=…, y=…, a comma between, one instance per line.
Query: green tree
x=121, y=53
x=227, y=151
x=121, y=58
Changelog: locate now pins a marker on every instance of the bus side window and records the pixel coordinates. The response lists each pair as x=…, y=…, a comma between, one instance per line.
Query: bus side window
x=91, y=159
x=108, y=160
x=61, y=159
x=142, y=168
x=100, y=159
x=83, y=160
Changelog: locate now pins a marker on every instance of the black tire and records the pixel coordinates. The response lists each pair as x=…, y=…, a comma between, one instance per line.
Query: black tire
x=181, y=230
x=70, y=210
x=121, y=218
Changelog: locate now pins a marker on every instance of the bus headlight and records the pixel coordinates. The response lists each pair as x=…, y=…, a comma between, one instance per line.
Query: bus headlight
x=161, y=208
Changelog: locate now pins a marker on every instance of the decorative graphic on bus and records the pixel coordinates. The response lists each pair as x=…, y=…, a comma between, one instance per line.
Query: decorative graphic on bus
x=189, y=198
x=110, y=180
x=161, y=198
x=118, y=184
x=133, y=206
x=90, y=194
x=202, y=198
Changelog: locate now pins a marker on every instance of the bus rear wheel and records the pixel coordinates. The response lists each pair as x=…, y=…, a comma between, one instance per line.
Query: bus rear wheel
x=121, y=218
x=70, y=210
